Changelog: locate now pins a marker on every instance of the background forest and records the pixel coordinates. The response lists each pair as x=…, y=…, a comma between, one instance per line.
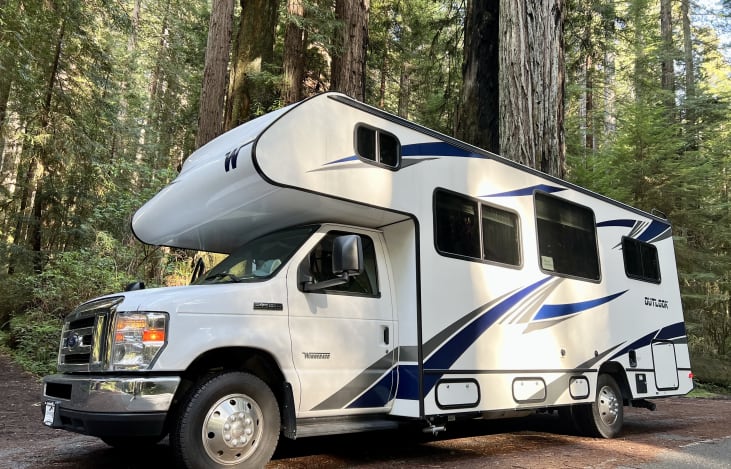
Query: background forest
x=100, y=103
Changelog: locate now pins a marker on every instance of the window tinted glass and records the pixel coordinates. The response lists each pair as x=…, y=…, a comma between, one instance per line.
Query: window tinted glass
x=566, y=238
x=366, y=143
x=500, y=236
x=259, y=258
x=640, y=260
x=457, y=230
x=320, y=260
x=389, y=148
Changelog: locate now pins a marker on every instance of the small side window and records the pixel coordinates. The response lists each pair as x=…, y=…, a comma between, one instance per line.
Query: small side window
x=377, y=146
x=457, y=225
x=640, y=260
x=366, y=143
x=500, y=240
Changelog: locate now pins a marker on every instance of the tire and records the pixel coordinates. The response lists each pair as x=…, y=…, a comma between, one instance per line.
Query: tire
x=228, y=420
x=605, y=416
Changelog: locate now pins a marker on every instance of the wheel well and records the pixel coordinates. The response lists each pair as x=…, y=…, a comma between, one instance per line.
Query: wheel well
x=617, y=372
x=250, y=360
x=254, y=361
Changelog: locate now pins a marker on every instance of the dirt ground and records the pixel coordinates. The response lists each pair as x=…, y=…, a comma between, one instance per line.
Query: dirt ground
x=532, y=442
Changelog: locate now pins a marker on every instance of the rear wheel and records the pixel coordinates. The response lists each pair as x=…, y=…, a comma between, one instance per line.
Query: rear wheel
x=229, y=420
x=605, y=416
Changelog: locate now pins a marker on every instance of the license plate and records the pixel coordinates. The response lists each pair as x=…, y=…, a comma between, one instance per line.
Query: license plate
x=50, y=413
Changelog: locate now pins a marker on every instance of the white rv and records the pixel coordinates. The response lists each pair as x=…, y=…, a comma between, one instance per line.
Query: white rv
x=379, y=273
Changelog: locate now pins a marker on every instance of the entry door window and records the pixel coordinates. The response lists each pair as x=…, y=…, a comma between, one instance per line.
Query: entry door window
x=320, y=267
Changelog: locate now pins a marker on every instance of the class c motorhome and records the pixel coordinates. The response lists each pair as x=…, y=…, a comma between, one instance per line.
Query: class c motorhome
x=378, y=274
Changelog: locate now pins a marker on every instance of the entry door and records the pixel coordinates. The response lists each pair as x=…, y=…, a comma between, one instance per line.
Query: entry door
x=666, y=368
x=343, y=336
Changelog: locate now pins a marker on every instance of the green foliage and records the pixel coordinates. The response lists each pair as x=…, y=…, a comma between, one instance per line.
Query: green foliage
x=33, y=339
x=712, y=371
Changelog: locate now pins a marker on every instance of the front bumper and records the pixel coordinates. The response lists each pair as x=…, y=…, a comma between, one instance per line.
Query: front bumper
x=108, y=406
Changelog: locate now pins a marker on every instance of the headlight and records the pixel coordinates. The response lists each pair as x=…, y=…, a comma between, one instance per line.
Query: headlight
x=138, y=338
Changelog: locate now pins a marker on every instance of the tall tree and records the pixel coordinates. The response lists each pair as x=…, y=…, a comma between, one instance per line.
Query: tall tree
x=667, y=53
x=531, y=74
x=253, y=55
x=478, y=117
x=294, y=52
x=213, y=92
x=689, y=67
x=349, y=56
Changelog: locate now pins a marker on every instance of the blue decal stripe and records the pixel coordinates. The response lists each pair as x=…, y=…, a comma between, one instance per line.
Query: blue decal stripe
x=436, y=149
x=557, y=311
x=423, y=149
x=378, y=395
x=624, y=223
x=672, y=332
x=343, y=160
x=408, y=382
x=655, y=229
x=665, y=333
x=446, y=355
x=528, y=191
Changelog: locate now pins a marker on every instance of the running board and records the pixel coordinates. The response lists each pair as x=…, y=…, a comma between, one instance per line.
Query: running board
x=338, y=425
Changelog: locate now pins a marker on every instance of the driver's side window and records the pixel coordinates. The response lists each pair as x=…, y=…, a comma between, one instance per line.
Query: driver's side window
x=320, y=262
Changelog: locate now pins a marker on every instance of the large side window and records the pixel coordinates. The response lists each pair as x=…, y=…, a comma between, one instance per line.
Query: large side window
x=320, y=262
x=566, y=237
x=377, y=146
x=640, y=260
x=457, y=229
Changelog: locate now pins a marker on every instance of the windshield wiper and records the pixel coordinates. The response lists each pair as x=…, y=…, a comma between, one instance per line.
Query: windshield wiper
x=233, y=277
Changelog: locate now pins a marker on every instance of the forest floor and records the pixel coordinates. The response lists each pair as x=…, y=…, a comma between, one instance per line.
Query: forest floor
x=678, y=428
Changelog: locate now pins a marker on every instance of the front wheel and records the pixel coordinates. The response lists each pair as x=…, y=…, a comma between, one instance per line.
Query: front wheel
x=605, y=416
x=229, y=420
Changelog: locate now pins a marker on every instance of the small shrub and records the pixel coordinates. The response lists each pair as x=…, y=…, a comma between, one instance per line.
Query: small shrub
x=34, y=339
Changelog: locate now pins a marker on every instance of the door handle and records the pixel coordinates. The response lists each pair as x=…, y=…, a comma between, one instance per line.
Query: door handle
x=386, y=335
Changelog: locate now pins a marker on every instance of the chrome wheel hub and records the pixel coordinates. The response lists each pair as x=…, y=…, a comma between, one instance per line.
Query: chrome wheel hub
x=232, y=429
x=608, y=405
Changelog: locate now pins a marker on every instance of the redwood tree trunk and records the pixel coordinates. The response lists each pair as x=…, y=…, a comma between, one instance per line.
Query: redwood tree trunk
x=532, y=84
x=213, y=92
x=294, y=53
x=478, y=118
x=689, y=72
x=349, y=60
x=667, y=54
x=253, y=52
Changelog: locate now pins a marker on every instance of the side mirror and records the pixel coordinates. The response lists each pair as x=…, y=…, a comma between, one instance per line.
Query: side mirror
x=198, y=268
x=135, y=286
x=347, y=261
x=347, y=255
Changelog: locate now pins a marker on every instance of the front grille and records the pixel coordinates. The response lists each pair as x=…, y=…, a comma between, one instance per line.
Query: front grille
x=84, y=342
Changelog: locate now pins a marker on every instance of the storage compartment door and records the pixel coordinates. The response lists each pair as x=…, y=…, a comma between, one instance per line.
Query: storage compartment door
x=666, y=368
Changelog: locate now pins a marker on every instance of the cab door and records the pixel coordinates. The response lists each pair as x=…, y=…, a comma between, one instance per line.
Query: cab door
x=342, y=336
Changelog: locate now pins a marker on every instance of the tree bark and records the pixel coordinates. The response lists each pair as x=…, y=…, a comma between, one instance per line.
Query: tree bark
x=478, y=119
x=294, y=53
x=213, y=92
x=667, y=52
x=36, y=222
x=404, y=95
x=689, y=72
x=252, y=54
x=532, y=84
x=349, y=60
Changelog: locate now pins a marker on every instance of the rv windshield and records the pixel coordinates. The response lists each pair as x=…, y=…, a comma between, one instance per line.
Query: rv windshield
x=258, y=259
